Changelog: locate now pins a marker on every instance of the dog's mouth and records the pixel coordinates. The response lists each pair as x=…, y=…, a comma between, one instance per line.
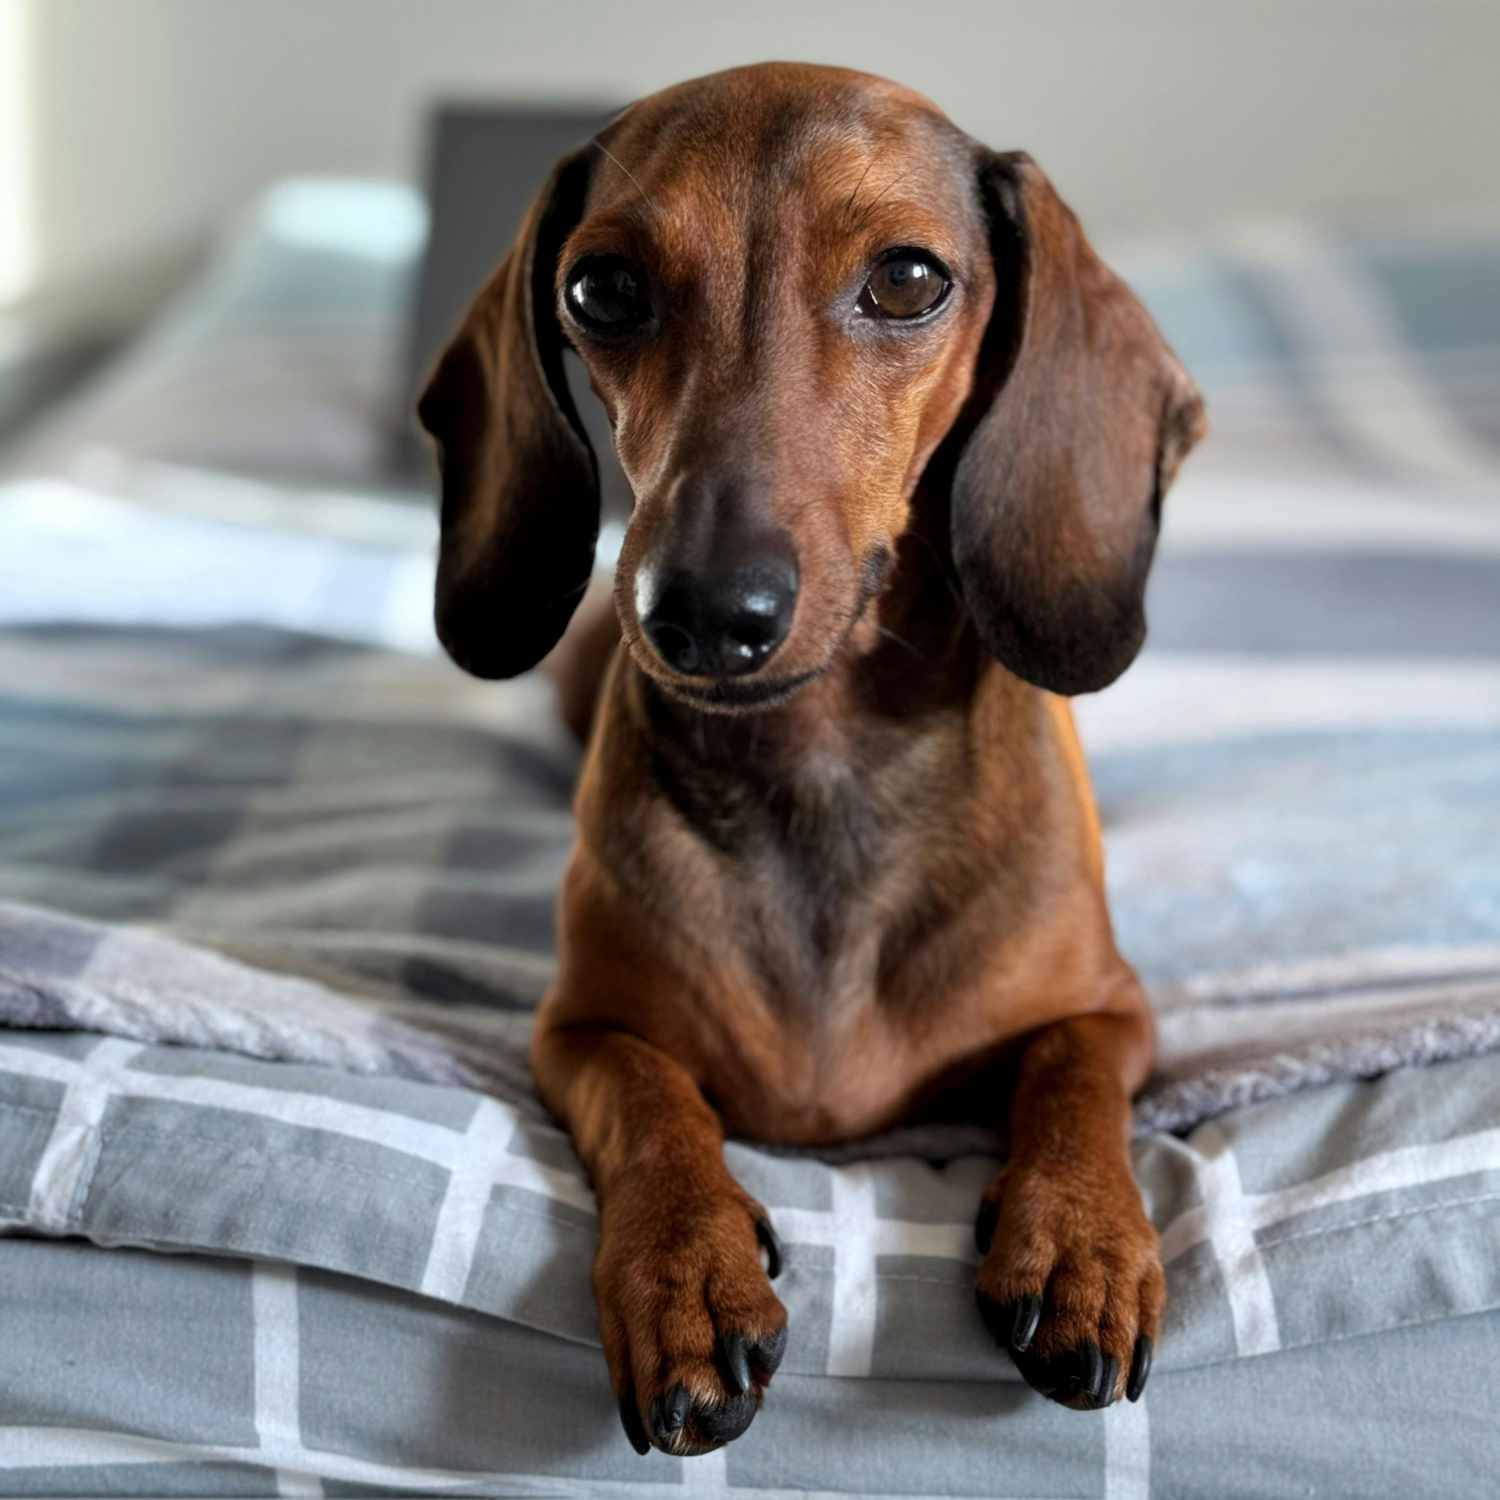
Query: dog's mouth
x=744, y=695
x=732, y=695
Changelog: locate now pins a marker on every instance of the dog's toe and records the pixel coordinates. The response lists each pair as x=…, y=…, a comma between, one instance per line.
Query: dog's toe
x=1013, y=1324
x=768, y=1351
x=734, y=1355
x=728, y=1419
x=692, y=1331
x=668, y=1412
x=1084, y=1377
x=1071, y=1286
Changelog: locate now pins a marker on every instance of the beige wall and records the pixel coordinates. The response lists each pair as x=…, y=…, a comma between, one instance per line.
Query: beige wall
x=148, y=120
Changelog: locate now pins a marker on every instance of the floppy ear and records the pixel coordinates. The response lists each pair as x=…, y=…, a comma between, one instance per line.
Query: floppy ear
x=520, y=509
x=1057, y=493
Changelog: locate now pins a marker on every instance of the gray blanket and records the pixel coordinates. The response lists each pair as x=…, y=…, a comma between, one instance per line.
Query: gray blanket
x=415, y=1315
x=1300, y=840
x=1234, y=1040
x=389, y=1284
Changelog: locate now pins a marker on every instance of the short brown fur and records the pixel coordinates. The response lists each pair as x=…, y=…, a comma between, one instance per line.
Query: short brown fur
x=870, y=882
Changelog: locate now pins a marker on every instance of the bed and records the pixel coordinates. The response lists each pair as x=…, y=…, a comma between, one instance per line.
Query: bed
x=231, y=1270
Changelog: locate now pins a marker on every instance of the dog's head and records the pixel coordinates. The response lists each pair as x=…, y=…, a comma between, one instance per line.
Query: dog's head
x=790, y=285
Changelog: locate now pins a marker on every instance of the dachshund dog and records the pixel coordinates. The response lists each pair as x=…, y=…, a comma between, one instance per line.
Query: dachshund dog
x=898, y=442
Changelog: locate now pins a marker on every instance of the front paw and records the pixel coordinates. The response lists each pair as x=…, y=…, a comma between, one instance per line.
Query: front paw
x=692, y=1331
x=1071, y=1282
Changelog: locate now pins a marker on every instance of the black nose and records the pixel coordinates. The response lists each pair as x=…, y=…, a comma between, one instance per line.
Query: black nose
x=722, y=624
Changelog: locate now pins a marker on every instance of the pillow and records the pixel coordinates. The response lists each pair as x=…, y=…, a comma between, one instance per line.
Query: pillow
x=282, y=360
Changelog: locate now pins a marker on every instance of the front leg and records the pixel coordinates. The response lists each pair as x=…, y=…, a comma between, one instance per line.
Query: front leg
x=692, y=1330
x=1071, y=1283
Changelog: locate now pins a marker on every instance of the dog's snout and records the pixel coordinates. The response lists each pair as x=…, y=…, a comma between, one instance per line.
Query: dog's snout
x=725, y=623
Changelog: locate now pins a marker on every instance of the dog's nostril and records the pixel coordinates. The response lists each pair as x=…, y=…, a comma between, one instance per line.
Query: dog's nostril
x=674, y=623
x=757, y=625
x=676, y=647
x=757, y=613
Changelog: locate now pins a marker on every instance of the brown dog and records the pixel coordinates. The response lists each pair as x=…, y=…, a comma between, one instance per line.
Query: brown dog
x=898, y=442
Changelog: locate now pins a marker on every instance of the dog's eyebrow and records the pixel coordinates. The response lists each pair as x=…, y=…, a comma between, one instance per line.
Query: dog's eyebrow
x=626, y=170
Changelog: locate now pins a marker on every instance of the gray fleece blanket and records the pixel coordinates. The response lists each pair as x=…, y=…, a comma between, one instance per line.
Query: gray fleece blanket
x=307, y=852
x=1239, y=1040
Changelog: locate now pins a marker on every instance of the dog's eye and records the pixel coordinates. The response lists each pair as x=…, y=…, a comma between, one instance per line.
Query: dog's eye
x=607, y=294
x=904, y=286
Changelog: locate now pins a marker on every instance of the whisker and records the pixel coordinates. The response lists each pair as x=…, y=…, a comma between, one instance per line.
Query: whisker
x=626, y=170
x=869, y=207
x=899, y=640
x=571, y=593
x=858, y=185
x=958, y=598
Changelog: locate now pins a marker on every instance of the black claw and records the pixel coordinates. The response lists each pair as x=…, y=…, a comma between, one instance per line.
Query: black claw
x=1013, y=1324
x=1083, y=1377
x=1045, y=1376
x=725, y=1422
x=669, y=1412
x=1140, y=1369
x=1103, y=1394
x=765, y=1232
x=735, y=1353
x=984, y=1225
x=1090, y=1368
x=769, y=1351
x=630, y=1418
x=1024, y=1320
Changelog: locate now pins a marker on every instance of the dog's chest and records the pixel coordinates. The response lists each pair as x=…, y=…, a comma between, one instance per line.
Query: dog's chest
x=819, y=851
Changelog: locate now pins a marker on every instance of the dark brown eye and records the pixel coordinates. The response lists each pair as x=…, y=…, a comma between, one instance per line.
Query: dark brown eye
x=905, y=286
x=607, y=294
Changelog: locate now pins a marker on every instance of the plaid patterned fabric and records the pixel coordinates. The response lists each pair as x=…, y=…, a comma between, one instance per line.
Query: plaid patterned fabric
x=390, y=1295
x=1340, y=357
x=1361, y=1209
x=281, y=361
x=381, y=822
x=363, y=833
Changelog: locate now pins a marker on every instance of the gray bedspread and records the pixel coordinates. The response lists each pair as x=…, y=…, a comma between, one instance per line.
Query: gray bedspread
x=386, y=1286
x=1344, y=1238
x=382, y=826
